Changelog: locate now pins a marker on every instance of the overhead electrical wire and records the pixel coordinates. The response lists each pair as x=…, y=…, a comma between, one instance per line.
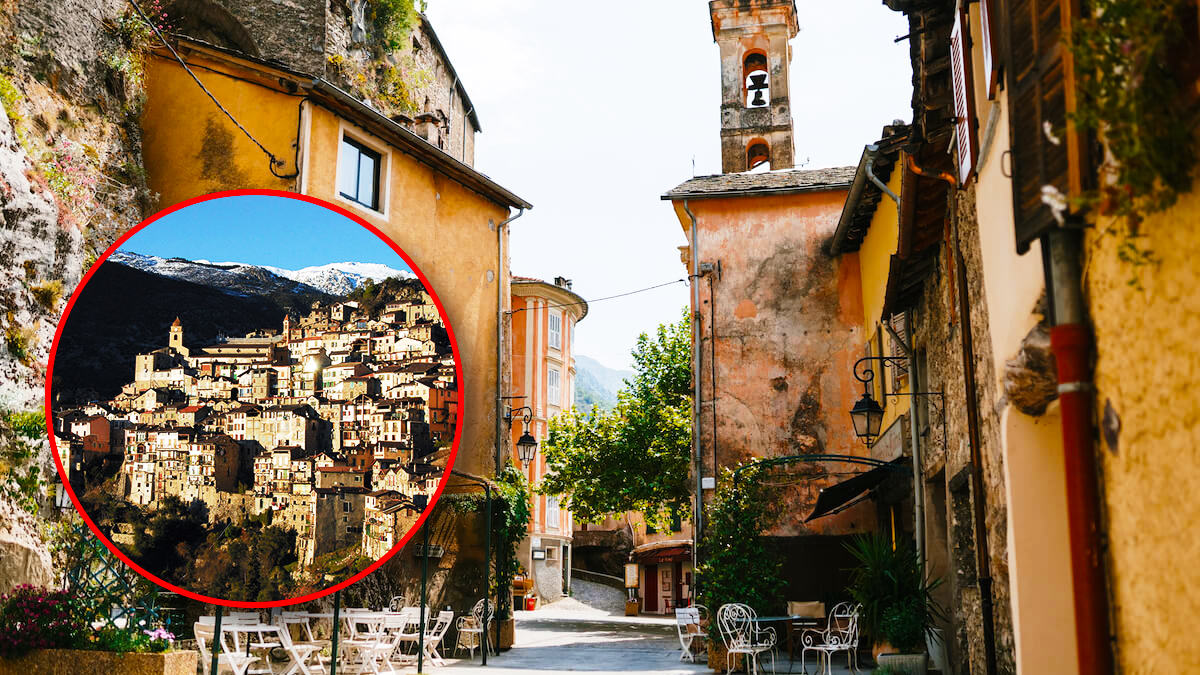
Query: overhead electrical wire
x=611, y=297
x=274, y=160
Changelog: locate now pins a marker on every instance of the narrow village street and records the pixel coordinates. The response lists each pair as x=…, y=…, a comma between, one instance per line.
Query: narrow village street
x=594, y=636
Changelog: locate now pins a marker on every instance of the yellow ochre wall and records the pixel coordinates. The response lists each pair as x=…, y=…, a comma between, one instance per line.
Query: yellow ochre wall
x=448, y=230
x=1148, y=368
x=874, y=261
x=190, y=147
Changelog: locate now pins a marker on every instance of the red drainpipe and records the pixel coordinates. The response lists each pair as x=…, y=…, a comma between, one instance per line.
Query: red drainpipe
x=1070, y=340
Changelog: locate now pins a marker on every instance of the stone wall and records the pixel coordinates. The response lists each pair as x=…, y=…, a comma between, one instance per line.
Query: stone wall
x=70, y=184
x=937, y=327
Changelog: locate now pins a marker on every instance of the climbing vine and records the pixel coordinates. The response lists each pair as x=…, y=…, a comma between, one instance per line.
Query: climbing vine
x=1135, y=63
x=510, y=524
x=396, y=19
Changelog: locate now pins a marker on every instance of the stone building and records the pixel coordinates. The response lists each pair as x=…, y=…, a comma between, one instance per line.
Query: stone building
x=756, y=115
x=776, y=320
x=350, y=44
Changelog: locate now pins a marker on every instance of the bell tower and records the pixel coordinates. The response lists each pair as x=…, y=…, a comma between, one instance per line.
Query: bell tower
x=756, y=114
x=176, y=337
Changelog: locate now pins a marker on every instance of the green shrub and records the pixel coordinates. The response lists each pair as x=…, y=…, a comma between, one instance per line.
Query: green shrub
x=31, y=424
x=737, y=566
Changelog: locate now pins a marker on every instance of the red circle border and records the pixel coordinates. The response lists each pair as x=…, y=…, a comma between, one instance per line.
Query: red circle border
x=242, y=603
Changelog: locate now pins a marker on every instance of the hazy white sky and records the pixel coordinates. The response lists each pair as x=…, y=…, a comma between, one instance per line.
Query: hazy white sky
x=591, y=111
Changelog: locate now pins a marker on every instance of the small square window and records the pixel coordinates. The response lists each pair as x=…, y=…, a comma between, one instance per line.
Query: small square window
x=358, y=173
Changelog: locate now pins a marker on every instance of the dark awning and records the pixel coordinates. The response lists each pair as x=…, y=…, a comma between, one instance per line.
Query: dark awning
x=836, y=497
x=663, y=551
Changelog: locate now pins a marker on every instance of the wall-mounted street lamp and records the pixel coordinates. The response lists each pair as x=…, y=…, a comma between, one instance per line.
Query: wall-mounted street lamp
x=867, y=414
x=526, y=444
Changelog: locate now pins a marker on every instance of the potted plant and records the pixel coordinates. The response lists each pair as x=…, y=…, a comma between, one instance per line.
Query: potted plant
x=44, y=631
x=898, y=609
x=904, y=627
x=737, y=565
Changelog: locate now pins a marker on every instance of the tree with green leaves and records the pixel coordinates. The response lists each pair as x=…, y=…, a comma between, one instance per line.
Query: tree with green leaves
x=635, y=457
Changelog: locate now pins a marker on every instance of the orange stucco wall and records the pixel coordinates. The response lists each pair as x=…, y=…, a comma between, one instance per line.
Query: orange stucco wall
x=788, y=325
x=447, y=229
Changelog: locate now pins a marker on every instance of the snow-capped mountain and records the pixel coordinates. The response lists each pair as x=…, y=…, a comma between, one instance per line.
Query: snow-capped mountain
x=242, y=279
x=341, y=278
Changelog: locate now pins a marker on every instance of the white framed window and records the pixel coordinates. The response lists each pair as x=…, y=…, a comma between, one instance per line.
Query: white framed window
x=553, y=391
x=363, y=171
x=552, y=513
x=556, y=331
x=358, y=173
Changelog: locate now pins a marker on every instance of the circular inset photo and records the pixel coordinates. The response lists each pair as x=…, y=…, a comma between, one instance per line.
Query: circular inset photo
x=254, y=398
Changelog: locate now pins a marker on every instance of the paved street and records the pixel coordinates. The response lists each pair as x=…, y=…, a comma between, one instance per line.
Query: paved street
x=568, y=636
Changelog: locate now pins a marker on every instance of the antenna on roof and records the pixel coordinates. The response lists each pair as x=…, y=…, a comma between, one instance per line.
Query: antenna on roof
x=693, y=166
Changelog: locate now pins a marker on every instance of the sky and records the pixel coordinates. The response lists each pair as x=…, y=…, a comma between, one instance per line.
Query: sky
x=591, y=111
x=262, y=230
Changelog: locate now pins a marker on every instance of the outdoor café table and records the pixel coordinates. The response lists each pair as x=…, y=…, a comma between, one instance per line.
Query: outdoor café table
x=261, y=629
x=795, y=620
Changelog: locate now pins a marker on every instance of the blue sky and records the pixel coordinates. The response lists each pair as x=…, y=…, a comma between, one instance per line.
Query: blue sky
x=262, y=230
x=591, y=114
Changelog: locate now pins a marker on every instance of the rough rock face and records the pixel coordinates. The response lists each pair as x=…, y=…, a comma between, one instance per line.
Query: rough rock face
x=70, y=184
x=1030, y=382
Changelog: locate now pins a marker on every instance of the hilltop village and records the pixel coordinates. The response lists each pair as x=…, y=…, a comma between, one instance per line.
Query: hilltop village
x=330, y=427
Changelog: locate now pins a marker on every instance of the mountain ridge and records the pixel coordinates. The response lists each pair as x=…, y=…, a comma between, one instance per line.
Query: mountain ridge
x=235, y=278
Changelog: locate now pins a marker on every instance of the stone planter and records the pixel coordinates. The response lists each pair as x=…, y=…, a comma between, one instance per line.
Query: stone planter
x=716, y=658
x=77, y=662
x=508, y=629
x=912, y=664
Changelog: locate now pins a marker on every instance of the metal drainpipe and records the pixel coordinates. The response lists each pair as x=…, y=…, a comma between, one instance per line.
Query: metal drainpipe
x=871, y=150
x=983, y=563
x=915, y=384
x=1070, y=340
x=698, y=519
x=500, y=316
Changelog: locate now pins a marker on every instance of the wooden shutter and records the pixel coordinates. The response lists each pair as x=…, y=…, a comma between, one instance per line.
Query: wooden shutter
x=1040, y=94
x=988, y=40
x=899, y=368
x=964, y=98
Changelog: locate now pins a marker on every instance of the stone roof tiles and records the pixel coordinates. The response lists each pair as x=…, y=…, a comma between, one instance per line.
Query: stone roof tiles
x=770, y=182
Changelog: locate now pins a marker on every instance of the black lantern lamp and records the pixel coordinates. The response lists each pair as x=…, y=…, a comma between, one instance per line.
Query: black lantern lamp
x=867, y=416
x=526, y=448
x=526, y=444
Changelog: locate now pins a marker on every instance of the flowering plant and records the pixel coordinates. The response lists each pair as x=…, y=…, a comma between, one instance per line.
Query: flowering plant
x=38, y=618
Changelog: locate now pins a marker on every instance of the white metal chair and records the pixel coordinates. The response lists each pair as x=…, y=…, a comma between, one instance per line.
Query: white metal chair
x=840, y=635
x=687, y=625
x=468, y=635
x=741, y=635
x=237, y=662
x=471, y=627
